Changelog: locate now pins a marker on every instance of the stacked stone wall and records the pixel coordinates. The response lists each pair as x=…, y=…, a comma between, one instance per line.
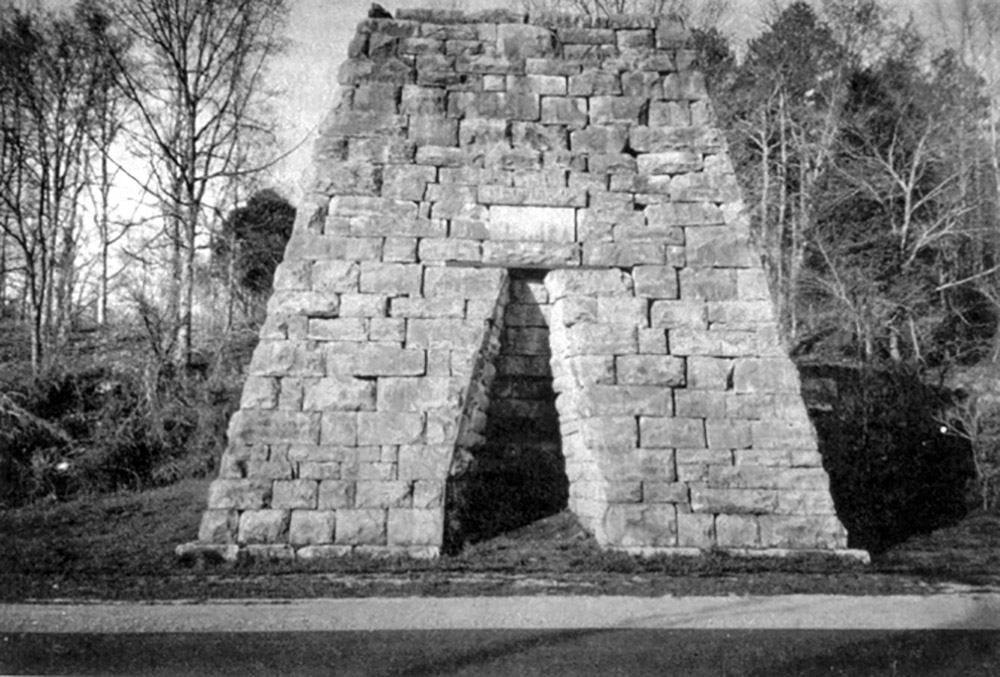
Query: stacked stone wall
x=467, y=144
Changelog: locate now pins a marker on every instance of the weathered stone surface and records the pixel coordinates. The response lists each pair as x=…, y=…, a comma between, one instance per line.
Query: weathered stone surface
x=660, y=370
x=641, y=525
x=295, y=494
x=672, y=432
x=466, y=145
x=312, y=527
x=366, y=526
x=415, y=526
x=263, y=526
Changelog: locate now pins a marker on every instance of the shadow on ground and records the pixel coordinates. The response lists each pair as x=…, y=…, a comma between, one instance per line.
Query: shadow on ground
x=895, y=470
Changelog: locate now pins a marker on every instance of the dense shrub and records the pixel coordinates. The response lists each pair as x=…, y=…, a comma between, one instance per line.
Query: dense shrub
x=107, y=428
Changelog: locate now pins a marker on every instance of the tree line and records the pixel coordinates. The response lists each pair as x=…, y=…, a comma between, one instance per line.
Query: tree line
x=116, y=114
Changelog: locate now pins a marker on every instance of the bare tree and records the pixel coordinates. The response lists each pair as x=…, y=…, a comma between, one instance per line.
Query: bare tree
x=47, y=80
x=196, y=80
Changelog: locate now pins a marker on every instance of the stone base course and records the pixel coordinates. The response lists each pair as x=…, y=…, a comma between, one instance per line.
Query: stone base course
x=467, y=147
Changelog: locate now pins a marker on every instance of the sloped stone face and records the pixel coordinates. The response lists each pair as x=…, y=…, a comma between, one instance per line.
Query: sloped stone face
x=466, y=144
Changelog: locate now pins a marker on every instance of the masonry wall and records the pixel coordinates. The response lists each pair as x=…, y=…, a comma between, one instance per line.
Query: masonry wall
x=465, y=145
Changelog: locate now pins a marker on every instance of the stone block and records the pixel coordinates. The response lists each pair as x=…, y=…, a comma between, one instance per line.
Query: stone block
x=742, y=314
x=669, y=113
x=709, y=373
x=263, y=526
x=765, y=375
x=665, y=492
x=387, y=330
x=461, y=335
x=619, y=400
x=538, y=136
x=288, y=427
x=695, y=530
x=655, y=282
x=634, y=40
x=295, y=494
x=653, y=342
x=622, y=311
x=531, y=254
x=532, y=224
x=380, y=151
x=604, y=434
x=595, y=81
x=408, y=527
x=783, y=531
x=658, y=139
x=467, y=283
x=627, y=110
x=669, y=162
x=622, y=254
x=705, y=188
x=672, y=315
x=366, y=526
x=563, y=283
x=805, y=502
x=407, y=182
x=432, y=130
x=339, y=393
x=783, y=434
x=339, y=429
x=348, y=178
x=436, y=307
x=641, y=525
x=659, y=370
x=733, y=501
x=683, y=215
x=428, y=494
x=259, y=393
x=685, y=86
x=524, y=41
x=383, y=494
x=582, y=371
x=362, y=305
x=624, y=492
x=390, y=428
x=696, y=342
x=548, y=85
x=708, y=284
x=737, y=531
x=719, y=247
x=380, y=360
x=319, y=471
x=724, y=433
x=752, y=284
x=293, y=276
x=312, y=527
x=570, y=111
x=336, y=276
x=415, y=394
x=699, y=403
x=450, y=250
x=594, y=339
x=339, y=329
x=218, y=526
x=484, y=132
x=671, y=432
x=311, y=553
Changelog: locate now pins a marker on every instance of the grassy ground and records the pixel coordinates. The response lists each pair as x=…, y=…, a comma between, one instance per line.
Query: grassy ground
x=121, y=547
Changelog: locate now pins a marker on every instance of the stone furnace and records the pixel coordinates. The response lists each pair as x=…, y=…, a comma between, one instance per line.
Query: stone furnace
x=545, y=200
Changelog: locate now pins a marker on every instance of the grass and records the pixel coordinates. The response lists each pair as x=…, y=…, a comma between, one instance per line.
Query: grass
x=122, y=547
